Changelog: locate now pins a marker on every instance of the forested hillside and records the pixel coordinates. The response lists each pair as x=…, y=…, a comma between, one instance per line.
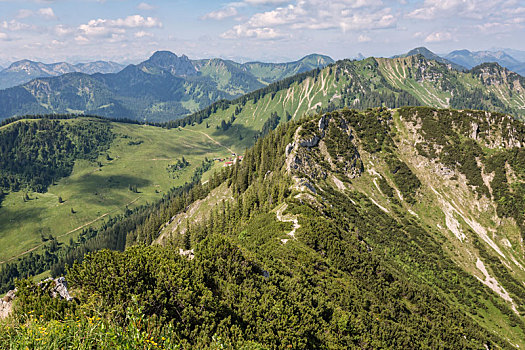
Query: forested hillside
x=33, y=155
x=375, y=229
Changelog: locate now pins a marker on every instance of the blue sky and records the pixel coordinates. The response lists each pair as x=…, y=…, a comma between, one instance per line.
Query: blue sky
x=269, y=30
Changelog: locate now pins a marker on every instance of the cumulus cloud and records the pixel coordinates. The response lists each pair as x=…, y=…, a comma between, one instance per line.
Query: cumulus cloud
x=265, y=33
x=363, y=38
x=14, y=26
x=142, y=34
x=476, y=9
x=81, y=39
x=47, y=13
x=135, y=21
x=316, y=14
x=438, y=37
x=62, y=30
x=113, y=28
x=221, y=14
x=144, y=6
x=265, y=2
x=57, y=43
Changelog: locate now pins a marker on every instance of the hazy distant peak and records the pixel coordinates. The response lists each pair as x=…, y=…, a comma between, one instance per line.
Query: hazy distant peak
x=471, y=59
x=167, y=60
x=431, y=56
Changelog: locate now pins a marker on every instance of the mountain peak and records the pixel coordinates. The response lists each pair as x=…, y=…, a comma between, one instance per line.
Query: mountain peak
x=317, y=59
x=472, y=59
x=21, y=63
x=460, y=52
x=421, y=50
x=167, y=60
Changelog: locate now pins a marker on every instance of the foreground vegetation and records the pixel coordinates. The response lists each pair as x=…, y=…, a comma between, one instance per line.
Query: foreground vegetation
x=364, y=269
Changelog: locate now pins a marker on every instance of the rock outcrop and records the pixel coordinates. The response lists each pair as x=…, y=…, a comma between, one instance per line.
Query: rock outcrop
x=57, y=289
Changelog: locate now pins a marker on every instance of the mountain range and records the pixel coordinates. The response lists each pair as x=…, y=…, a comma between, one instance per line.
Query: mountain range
x=163, y=87
x=470, y=59
x=23, y=71
x=465, y=59
x=168, y=87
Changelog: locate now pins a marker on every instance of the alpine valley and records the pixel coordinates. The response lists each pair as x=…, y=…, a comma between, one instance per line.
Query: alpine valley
x=371, y=204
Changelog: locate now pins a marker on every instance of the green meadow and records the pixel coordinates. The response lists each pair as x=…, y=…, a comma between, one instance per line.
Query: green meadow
x=138, y=158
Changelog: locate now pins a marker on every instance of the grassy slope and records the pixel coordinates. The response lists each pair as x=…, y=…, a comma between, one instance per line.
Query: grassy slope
x=400, y=73
x=299, y=99
x=304, y=97
x=95, y=192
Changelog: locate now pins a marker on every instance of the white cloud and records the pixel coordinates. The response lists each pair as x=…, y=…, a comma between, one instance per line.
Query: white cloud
x=97, y=27
x=438, y=37
x=109, y=28
x=221, y=14
x=57, y=43
x=316, y=14
x=81, y=39
x=495, y=27
x=239, y=31
x=144, y=6
x=474, y=9
x=14, y=25
x=62, y=30
x=47, y=13
x=363, y=38
x=3, y=36
x=135, y=21
x=142, y=34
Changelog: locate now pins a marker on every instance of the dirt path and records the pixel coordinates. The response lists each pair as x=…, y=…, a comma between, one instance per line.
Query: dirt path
x=67, y=233
x=287, y=218
x=212, y=139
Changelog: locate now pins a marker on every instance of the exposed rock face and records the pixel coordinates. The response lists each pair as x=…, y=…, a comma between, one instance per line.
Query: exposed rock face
x=311, y=142
x=187, y=253
x=475, y=131
x=323, y=122
x=179, y=66
x=60, y=289
x=6, y=304
x=289, y=148
x=57, y=289
x=308, y=154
